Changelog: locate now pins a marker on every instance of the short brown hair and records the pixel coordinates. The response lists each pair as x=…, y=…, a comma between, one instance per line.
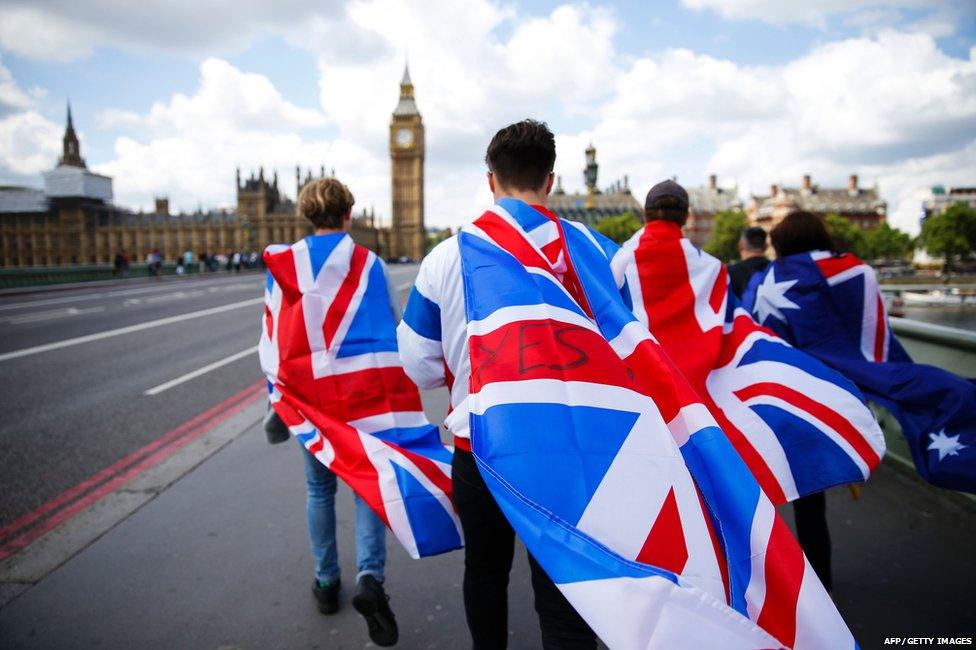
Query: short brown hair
x=325, y=202
x=522, y=155
x=801, y=232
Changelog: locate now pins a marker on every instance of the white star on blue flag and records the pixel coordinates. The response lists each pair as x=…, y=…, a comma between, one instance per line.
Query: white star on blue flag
x=945, y=445
x=771, y=297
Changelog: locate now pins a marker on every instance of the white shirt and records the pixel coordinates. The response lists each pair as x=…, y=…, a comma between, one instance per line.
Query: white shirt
x=432, y=335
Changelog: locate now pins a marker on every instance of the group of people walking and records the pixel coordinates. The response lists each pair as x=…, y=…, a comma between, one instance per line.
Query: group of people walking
x=433, y=337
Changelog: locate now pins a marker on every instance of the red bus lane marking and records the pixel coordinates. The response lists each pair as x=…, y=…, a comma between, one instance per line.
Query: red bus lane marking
x=72, y=501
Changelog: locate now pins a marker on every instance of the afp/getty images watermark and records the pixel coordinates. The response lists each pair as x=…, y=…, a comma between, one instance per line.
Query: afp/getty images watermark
x=928, y=641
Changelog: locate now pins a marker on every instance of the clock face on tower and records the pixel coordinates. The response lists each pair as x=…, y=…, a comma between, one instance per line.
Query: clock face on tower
x=404, y=138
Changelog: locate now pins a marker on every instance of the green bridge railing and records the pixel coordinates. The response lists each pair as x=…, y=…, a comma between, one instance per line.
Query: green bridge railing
x=46, y=275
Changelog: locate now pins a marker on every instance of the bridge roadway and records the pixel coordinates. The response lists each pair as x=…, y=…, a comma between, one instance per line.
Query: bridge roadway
x=219, y=559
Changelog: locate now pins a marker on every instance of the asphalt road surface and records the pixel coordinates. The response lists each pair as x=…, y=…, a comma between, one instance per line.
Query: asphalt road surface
x=119, y=380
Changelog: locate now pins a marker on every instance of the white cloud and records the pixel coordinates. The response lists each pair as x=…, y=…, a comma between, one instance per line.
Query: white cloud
x=230, y=100
x=893, y=109
x=36, y=33
x=889, y=106
x=477, y=67
x=29, y=142
x=63, y=30
x=12, y=97
x=192, y=143
x=894, y=94
x=189, y=144
x=939, y=17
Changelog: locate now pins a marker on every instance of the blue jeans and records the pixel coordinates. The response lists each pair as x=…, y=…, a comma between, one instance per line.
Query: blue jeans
x=320, y=509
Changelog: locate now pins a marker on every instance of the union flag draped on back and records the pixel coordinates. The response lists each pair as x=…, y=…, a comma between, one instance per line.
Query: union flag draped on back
x=800, y=426
x=328, y=349
x=830, y=306
x=608, y=467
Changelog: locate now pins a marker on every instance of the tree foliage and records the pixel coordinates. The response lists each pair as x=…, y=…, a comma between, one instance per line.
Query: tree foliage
x=619, y=228
x=951, y=233
x=877, y=243
x=885, y=242
x=726, y=231
x=849, y=238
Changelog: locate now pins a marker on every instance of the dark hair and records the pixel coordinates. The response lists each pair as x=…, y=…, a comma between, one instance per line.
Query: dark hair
x=667, y=208
x=800, y=232
x=522, y=155
x=754, y=239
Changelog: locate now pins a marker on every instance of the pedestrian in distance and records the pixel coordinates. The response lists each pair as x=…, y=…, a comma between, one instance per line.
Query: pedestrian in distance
x=434, y=350
x=752, y=251
x=154, y=263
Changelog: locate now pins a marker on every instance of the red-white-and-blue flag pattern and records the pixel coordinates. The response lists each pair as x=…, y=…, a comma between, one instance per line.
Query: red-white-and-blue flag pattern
x=329, y=351
x=829, y=305
x=799, y=425
x=610, y=470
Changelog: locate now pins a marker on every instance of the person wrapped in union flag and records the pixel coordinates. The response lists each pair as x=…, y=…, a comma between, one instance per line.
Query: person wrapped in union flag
x=588, y=444
x=800, y=426
x=829, y=305
x=328, y=349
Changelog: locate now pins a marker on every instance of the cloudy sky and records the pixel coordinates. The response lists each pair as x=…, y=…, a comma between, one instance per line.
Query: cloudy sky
x=169, y=97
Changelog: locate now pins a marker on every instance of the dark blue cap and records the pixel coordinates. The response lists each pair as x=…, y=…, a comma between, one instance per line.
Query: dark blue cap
x=666, y=188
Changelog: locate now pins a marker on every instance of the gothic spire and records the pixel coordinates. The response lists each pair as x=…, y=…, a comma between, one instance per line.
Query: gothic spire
x=406, y=105
x=71, y=148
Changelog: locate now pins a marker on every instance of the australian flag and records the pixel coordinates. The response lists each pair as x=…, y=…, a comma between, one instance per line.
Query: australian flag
x=829, y=305
x=329, y=351
x=609, y=468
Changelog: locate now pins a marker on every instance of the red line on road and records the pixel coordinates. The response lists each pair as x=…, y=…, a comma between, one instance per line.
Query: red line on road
x=71, y=502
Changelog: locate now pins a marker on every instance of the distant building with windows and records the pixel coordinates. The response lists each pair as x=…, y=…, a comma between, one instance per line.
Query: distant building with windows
x=862, y=206
x=940, y=197
x=594, y=204
x=705, y=202
x=72, y=219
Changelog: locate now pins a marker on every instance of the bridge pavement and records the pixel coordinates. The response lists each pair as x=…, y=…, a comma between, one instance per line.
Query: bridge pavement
x=219, y=558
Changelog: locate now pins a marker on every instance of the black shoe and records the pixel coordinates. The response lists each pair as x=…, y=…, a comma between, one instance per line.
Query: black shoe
x=372, y=602
x=326, y=597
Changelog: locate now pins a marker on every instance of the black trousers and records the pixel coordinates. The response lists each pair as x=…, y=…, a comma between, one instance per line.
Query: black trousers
x=810, y=513
x=489, y=546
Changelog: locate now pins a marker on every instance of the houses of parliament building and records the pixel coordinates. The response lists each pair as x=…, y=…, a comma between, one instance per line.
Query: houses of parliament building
x=73, y=220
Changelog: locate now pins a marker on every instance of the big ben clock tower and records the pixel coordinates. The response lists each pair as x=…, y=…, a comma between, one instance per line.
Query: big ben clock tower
x=408, y=237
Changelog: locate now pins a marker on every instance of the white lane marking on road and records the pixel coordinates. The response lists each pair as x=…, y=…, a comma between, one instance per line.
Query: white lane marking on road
x=177, y=295
x=48, y=315
x=192, y=293
x=64, y=299
x=88, y=338
x=155, y=390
